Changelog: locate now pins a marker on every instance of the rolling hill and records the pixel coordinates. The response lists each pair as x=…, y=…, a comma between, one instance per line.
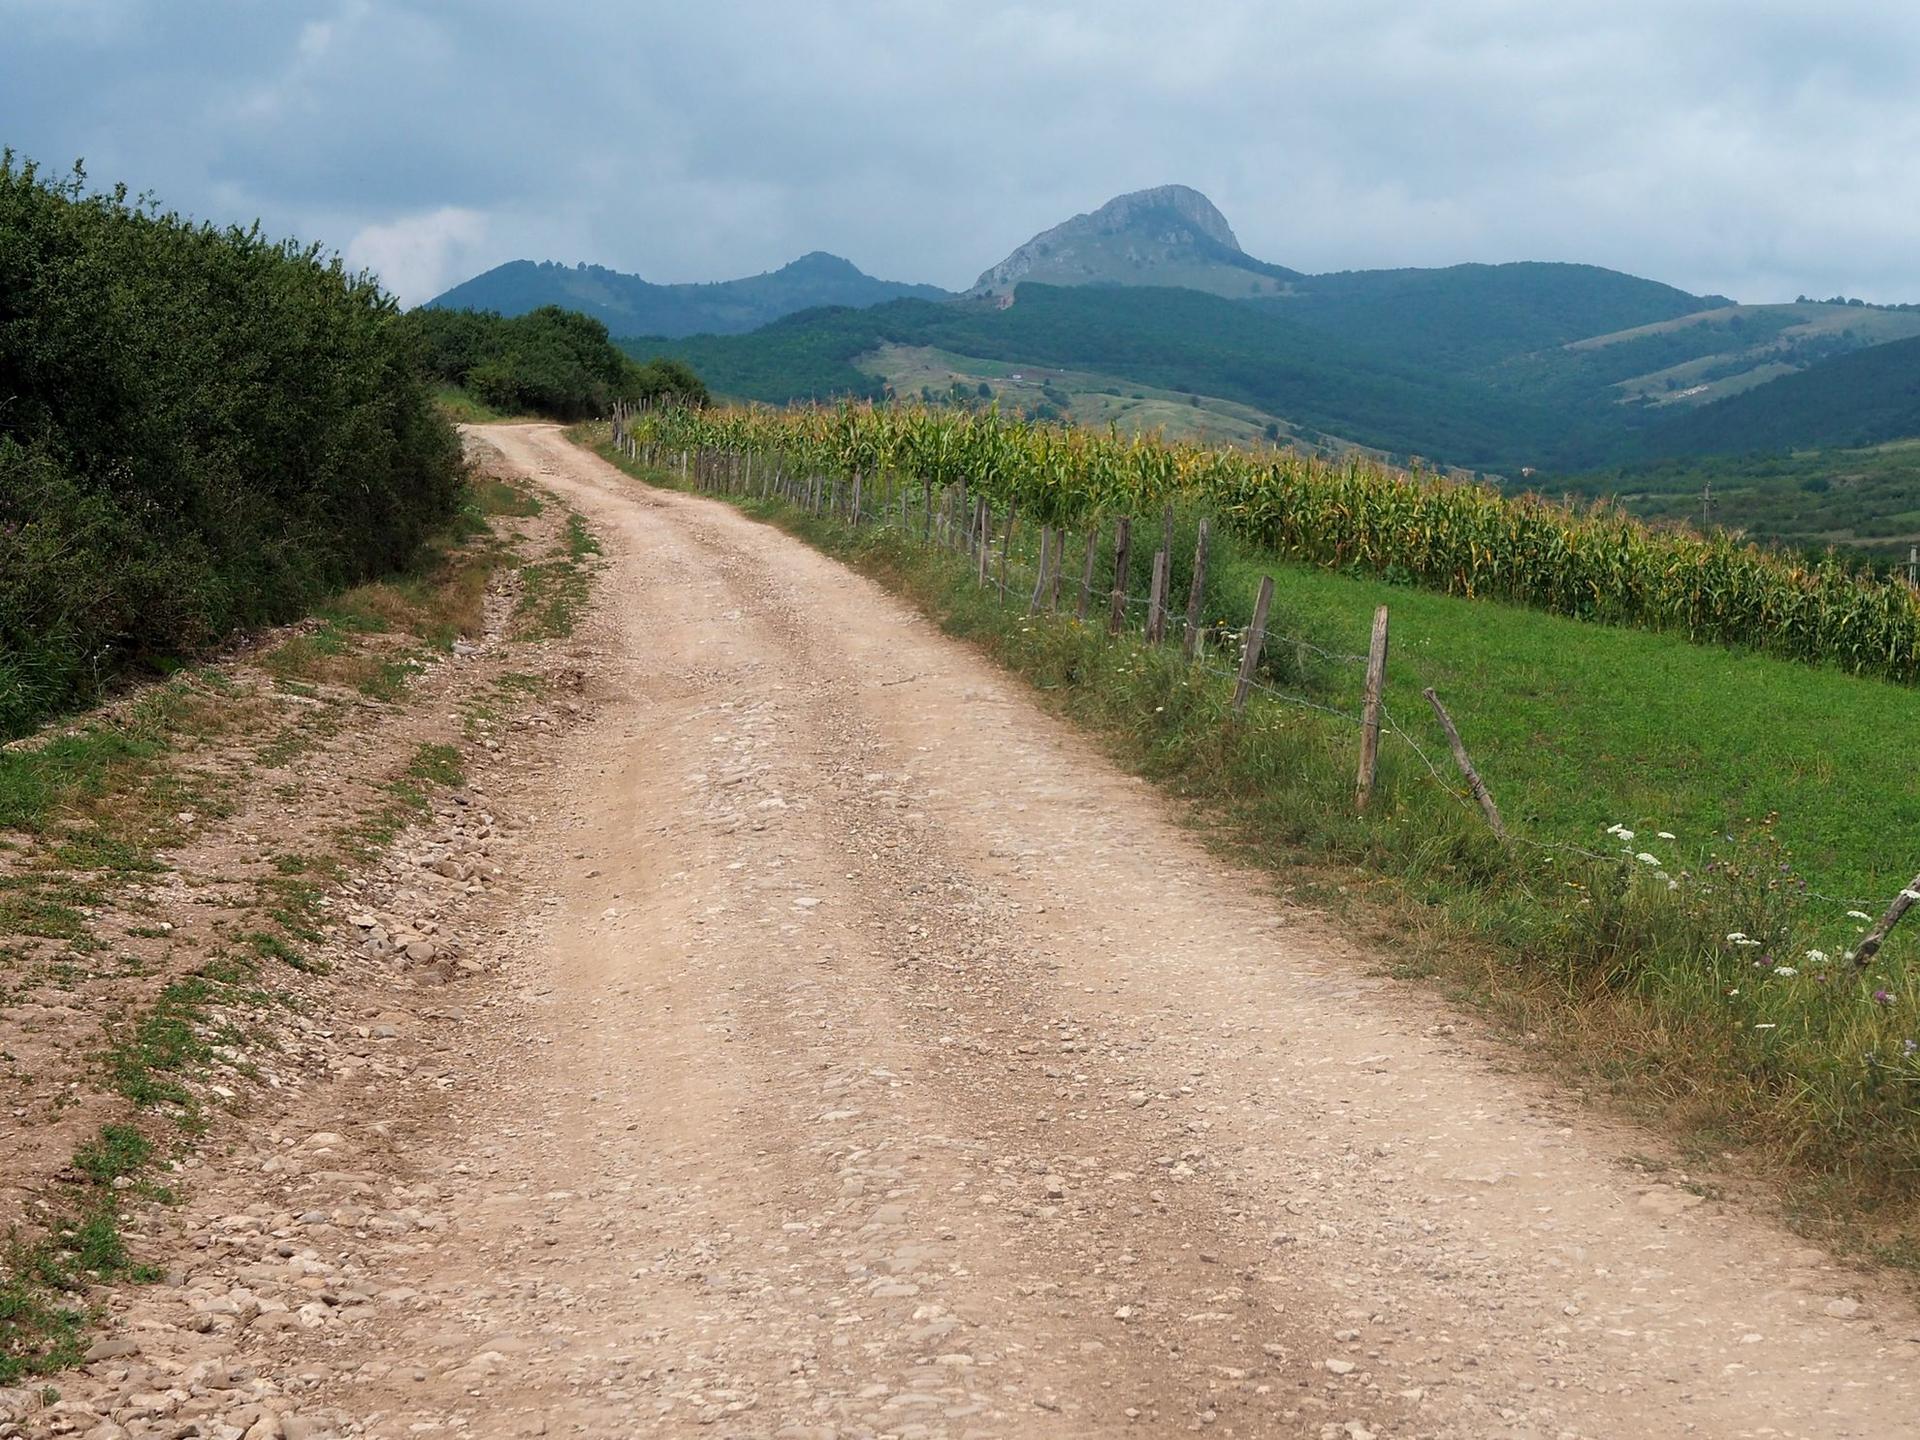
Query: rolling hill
x=1859, y=398
x=1474, y=316
x=1174, y=339
x=628, y=305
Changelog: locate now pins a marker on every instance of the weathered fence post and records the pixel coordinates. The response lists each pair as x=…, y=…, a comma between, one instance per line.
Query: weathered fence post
x=1370, y=712
x=1190, y=643
x=1903, y=902
x=1117, y=602
x=1040, y=579
x=1157, y=600
x=1086, y=575
x=856, y=496
x=1465, y=762
x=1006, y=539
x=983, y=547
x=1256, y=638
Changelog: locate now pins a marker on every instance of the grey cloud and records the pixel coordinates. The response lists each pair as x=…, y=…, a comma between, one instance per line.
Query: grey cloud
x=1752, y=148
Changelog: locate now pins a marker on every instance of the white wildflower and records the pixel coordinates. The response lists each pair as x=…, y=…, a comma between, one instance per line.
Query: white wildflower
x=1645, y=859
x=1743, y=941
x=1816, y=957
x=1858, y=915
x=1734, y=937
x=1626, y=835
x=1785, y=971
x=1668, y=835
x=1770, y=1025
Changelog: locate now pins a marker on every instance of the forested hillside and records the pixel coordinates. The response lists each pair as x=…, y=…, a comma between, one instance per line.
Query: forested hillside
x=1472, y=316
x=1174, y=338
x=1860, y=398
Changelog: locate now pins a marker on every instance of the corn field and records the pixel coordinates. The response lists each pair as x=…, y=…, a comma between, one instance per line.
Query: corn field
x=1464, y=539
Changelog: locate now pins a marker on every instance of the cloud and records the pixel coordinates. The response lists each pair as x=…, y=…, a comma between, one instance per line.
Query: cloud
x=1746, y=146
x=418, y=256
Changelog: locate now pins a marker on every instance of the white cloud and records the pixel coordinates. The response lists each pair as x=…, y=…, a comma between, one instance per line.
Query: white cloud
x=418, y=256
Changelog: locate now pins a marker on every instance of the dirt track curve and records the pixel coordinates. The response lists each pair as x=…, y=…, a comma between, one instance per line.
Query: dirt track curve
x=882, y=1062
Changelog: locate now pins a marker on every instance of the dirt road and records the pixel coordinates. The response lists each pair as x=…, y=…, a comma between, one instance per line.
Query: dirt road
x=878, y=1061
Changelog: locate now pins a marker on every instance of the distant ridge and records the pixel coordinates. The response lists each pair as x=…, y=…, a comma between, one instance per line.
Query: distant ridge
x=629, y=305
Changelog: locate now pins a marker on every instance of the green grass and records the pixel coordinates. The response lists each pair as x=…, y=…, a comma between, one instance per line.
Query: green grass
x=1781, y=783
x=464, y=408
x=554, y=591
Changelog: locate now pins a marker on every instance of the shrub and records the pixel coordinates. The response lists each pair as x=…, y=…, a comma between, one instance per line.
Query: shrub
x=200, y=430
x=550, y=361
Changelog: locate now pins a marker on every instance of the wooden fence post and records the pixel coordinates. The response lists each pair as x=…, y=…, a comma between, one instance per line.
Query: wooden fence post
x=856, y=497
x=983, y=548
x=1465, y=762
x=1256, y=638
x=1190, y=643
x=1870, y=945
x=1006, y=539
x=1040, y=580
x=1370, y=713
x=1086, y=575
x=1117, y=602
x=1157, y=600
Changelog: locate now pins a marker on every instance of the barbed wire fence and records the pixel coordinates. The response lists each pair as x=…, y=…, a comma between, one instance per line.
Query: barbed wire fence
x=947, y=518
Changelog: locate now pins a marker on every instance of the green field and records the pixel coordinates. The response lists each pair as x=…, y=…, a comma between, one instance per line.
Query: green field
x=1578, y=727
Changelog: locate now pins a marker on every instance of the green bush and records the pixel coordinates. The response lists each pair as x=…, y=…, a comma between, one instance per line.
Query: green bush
x=549, y=361
x=201, y=430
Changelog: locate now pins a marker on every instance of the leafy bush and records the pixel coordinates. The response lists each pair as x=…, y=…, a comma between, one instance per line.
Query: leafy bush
x=549, y=361
x=200, y=430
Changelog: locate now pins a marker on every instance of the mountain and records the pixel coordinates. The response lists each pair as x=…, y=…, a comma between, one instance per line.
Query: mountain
x=628, y=305
x=1168, y=236
x=1522, y=368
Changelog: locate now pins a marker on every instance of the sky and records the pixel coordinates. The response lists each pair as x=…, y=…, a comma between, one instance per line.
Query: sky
x=1741, y=147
